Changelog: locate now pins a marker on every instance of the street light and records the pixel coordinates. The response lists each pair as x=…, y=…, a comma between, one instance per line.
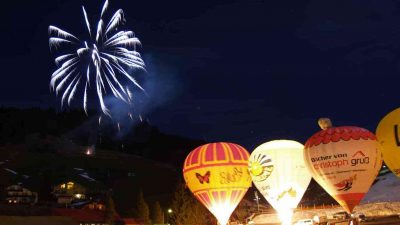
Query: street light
x=169, y=211
x=257, y=199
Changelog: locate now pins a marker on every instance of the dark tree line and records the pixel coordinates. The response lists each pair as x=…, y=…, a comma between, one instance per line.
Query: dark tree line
x=47, y=130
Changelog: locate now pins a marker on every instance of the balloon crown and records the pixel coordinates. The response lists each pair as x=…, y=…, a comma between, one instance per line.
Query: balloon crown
x=335, y=134
x=212, y=153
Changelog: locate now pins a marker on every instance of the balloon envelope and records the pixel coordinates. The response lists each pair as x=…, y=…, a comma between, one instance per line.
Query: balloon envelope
x=217, y=175
x=388, y=134
x=344, y=161
x=278, y=171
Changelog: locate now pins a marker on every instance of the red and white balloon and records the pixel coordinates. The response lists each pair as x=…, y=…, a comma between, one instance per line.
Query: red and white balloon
x=344, y=161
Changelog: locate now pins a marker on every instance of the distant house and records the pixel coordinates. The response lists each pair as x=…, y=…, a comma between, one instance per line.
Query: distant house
x=68, y=192
x=16, y=194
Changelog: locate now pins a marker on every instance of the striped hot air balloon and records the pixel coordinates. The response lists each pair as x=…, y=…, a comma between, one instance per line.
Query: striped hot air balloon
x=217, y=175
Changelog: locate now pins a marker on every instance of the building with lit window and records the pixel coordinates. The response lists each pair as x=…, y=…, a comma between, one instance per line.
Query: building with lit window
x=68, y=192
x=17, y=194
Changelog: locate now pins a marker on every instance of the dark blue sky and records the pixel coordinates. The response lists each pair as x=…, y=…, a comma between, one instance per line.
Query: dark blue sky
x=241, y=71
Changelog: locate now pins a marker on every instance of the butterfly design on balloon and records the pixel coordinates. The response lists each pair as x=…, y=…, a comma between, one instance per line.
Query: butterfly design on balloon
x=205, y=178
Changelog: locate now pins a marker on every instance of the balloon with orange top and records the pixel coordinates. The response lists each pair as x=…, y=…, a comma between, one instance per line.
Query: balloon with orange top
x=217, y=175
x=344, y=161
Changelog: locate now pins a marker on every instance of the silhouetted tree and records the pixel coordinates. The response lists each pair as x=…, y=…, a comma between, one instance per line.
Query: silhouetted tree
x=142, y=209
x=186, y=210
x=110, y=210
x=157, y=216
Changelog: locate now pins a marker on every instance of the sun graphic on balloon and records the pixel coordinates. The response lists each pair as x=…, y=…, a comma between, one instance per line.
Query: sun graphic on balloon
x=260, y=167
x=255, y=168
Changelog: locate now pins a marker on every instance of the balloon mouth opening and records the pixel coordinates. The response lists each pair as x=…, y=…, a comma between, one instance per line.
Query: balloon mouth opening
x=285, y=215
x=222, y=220
x=222, y=212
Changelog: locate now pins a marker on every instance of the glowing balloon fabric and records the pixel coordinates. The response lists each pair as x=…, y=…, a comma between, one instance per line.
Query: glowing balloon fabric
x=388, y=134
x=344, y=161
x=279, y=173
x=217, y=175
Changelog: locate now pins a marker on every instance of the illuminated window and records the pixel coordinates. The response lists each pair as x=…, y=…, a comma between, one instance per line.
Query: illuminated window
x=70, y=185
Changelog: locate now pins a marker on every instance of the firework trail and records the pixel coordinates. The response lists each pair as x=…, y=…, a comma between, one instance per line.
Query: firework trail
x=103, y=62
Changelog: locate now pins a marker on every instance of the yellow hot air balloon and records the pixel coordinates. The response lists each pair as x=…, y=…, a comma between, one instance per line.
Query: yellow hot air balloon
x=344, y=161
x=217, y=175
x=388, y=134
x=279, y=173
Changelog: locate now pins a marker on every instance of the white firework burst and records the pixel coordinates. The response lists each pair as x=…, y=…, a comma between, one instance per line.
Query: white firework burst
x=105, y=60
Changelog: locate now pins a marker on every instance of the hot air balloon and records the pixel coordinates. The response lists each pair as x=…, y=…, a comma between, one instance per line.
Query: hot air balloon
x=344, y=161
x=388, y=134
x=217, y=175
x=278, y=171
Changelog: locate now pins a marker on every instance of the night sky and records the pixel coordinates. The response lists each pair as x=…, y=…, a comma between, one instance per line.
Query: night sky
x=240, y=71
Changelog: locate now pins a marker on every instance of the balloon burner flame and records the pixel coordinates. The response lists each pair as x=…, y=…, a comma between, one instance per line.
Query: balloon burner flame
x=285, y=213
